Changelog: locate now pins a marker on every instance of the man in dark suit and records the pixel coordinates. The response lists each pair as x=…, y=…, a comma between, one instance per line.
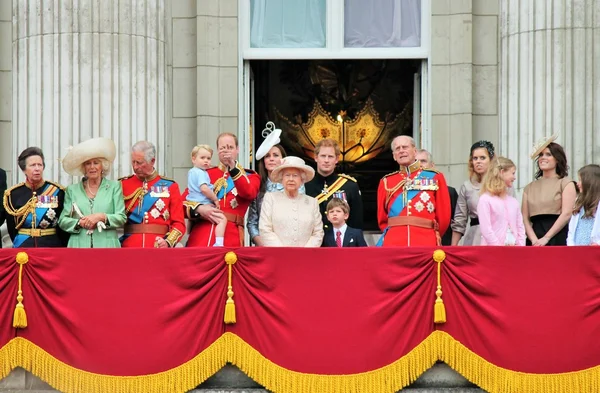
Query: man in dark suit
x=427, y=162
x=3, y=188
x=340, y=234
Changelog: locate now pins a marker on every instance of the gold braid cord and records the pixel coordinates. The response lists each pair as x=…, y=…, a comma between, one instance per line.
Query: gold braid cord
x=439, y=310
x=229, y=318
x=20, y=214
x=391, y=191
x=20, y=317
x=134, y=197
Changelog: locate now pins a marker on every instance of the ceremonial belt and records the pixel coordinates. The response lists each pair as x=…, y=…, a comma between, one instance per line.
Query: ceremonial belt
x=37, y=232
x=333, y=188
x=155, y=229
x=237, y=220
x=416, y=222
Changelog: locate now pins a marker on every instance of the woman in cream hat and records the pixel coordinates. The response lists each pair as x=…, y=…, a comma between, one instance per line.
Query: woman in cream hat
x=289, y=218
x=269, y=156
x=548, y=201
x=94, y=207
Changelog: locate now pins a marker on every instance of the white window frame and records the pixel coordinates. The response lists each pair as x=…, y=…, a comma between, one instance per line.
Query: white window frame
x=334, y=47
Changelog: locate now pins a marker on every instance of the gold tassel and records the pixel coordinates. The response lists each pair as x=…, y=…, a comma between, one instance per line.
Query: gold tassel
x=20, y=317
x=439, y=310
x=229, y=318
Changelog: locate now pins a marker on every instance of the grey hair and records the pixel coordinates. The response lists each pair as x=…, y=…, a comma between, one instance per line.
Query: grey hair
x=145, y=147
x=429, y=156
x=106, y=166
x=411, y=140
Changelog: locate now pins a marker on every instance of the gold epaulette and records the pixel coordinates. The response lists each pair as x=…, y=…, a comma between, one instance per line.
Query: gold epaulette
x=347, y=177
x=56, y=184
x=125, y=177
x=6, y=192
x=167, y=178
x=390, y=174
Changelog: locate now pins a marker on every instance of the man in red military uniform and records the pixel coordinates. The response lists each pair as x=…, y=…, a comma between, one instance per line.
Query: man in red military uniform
x=153, y=203
x=235, y=187
x=413, y=204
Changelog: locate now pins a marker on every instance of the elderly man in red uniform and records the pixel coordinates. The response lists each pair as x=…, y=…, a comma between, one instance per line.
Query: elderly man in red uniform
x=413, y=204
x=235, y=187
x=152, y=202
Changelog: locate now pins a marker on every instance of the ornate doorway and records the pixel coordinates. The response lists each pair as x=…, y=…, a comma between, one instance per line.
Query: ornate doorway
x=362, y=104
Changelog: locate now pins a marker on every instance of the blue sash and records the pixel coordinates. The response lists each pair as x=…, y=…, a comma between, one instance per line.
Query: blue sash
x=136, y=216
x=224, y=190
x=399, y=205
x=39, y=215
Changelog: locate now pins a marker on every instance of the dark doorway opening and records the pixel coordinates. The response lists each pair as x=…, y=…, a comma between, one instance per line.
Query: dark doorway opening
x=363, y=104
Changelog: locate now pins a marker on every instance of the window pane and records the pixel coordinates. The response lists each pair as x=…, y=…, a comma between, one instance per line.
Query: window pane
x=287, y=24
x=382, y=23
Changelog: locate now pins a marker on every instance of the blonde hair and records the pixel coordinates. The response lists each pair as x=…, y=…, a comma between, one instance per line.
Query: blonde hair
x=106, y=166
x=197, y=148
x=492, y=181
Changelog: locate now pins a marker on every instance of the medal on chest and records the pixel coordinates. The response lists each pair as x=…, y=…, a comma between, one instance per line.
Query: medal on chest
x=159, y=191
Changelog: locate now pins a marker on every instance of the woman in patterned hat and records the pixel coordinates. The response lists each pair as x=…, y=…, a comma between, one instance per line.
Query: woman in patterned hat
x=94, y=207
x=289, y=218
x=482, y=153
x=34, y=206
x=548, y=201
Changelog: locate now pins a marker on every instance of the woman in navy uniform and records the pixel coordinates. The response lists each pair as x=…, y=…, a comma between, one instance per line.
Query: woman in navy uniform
x=34, y=206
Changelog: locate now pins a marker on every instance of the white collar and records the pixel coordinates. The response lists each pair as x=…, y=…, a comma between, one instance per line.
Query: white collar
x=342, y=230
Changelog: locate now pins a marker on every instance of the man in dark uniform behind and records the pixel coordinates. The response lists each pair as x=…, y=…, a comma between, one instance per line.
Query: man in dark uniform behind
x=327, y=184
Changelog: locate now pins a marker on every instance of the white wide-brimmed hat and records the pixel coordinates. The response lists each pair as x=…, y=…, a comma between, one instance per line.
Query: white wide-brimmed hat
x=92, y=148
x=541, y=145
x=295, y=163
x=271, y=135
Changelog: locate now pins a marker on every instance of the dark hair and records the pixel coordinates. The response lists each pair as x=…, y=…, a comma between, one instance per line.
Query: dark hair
x=589, y=196
x=30, y=152
x=489, y=147
x=557, y=151
x=262, y=171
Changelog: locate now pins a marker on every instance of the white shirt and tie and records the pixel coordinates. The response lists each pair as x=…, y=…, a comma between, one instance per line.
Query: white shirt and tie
x=341, y=232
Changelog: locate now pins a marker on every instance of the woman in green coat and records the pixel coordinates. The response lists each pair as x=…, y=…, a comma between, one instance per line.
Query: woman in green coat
x=94, y=208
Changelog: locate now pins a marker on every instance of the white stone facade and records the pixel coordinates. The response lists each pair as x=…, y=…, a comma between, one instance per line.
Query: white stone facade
x=507, y=71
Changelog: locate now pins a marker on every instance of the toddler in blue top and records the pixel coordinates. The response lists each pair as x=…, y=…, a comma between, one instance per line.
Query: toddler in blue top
x=200, y=189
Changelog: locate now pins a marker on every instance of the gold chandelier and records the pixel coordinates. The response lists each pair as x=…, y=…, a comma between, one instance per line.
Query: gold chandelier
x=360, y=139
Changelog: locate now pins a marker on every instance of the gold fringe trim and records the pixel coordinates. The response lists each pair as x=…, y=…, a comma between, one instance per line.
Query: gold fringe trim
x=20, y=352
x=439, y=345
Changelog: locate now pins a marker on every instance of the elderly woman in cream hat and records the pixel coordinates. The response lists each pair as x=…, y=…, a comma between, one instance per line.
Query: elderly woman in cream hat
x=289, y=218
x=94, y=208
